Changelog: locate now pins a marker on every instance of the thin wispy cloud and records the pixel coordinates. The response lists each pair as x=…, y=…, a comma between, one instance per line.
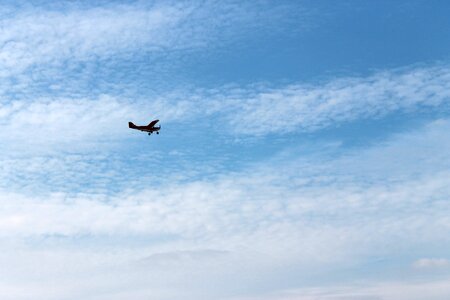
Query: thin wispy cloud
x=431, y=263
x=265, y=183
x=246, y=111
x=46, y=37
x=40, y=38
x=370, y=291
x=55, y=124
x=310, y=108
x=341, y=221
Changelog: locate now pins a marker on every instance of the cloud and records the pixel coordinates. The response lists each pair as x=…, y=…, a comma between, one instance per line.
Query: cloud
x=60, y=65
x=269, y=197
x=41, y=37
x=66, y=123
x=251, y=111
x=175, y=257
x=310, y=108
x=38, y=58
x=430, y=263
x=97, y=223
x=394, y=290
x=47, y=37
x=271, y=222
x=78, y=51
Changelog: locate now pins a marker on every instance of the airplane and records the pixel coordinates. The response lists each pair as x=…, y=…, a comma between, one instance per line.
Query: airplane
x=150, y=128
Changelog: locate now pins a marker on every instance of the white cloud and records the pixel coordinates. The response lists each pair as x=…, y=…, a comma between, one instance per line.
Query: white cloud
x=50, y=97
x=30, y=39
x=250, y=231
x=394, y=290
x=312, y=107
x=246, y=228
x=429, y=263
x=246, y=231
x=78, y=51
x=42, y=37
x=77, y=124
x=249, y=111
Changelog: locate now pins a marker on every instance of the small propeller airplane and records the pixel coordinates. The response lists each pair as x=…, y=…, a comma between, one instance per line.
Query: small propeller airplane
x=150, y=128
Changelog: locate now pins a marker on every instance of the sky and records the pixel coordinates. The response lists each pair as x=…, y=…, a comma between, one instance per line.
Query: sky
x=303, y=153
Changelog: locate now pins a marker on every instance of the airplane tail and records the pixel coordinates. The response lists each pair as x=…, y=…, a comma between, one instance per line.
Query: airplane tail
x=131, y=125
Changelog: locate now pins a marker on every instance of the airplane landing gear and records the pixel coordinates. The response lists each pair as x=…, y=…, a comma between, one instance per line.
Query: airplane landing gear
x=157, y=132
x=149, y=133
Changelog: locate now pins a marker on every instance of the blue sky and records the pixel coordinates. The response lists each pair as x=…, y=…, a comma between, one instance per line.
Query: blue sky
x=303, y=151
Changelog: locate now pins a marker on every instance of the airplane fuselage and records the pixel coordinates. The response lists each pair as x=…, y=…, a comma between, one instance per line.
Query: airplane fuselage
x=149, y=128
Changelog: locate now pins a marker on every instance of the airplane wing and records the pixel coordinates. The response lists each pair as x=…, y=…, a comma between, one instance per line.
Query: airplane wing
x=153, y=123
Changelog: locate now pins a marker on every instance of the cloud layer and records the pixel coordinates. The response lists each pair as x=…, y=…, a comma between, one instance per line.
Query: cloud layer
x=247, y=111
x=39, y=37
x=231, y=199
x=241, y=227
x=310, y=108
